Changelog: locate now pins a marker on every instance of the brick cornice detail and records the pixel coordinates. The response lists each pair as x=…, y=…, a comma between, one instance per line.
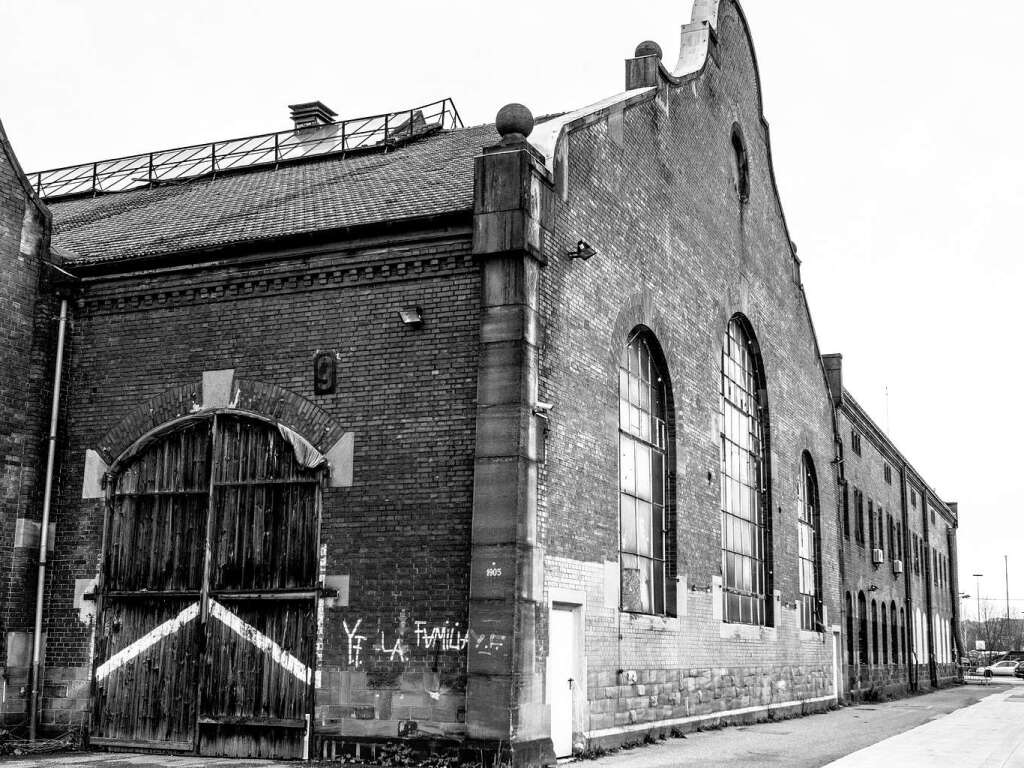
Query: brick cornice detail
x=179, y=290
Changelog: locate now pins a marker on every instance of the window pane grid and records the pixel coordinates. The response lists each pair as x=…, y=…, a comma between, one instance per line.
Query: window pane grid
x=809, y=555
x=642, y=466
x=744, y=529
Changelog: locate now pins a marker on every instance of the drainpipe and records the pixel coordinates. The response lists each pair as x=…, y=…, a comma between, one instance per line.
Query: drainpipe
x=37, y=643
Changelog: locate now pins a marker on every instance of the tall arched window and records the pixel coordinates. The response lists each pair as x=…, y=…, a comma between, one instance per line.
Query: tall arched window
x=885, y=634
x=808, y=531
x=643, y=450
x=746, y=550
x=849, y=630
x=894, y=619
x=903, y=635
x=862, y=635
x=874, y=631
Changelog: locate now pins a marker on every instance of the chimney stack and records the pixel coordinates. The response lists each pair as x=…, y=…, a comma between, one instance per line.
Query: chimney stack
x=311, y=114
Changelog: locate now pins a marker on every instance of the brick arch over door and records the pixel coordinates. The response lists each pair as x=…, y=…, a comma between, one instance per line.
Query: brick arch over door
x=222, y=390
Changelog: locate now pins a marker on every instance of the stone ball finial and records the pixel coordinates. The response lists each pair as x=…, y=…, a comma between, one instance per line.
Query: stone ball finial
x=648, y=48
x=514, y=120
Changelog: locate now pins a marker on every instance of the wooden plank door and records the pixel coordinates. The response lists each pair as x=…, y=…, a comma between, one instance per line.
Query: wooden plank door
x=207, y=598
x=256, y=688
x=147, y=643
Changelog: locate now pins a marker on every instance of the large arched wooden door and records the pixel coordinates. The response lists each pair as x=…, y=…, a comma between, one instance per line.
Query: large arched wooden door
x=207, y=620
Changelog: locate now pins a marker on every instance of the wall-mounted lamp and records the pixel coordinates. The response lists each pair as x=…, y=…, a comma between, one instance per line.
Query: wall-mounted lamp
x=583, y=250
x=873, y=588
x=411, y=316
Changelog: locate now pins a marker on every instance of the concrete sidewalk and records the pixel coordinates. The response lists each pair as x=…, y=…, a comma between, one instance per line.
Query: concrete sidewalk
x=989, y=734
x=961, y=727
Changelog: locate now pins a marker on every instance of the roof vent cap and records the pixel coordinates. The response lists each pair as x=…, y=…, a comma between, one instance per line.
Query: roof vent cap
x=648, y=48
x=311, y=114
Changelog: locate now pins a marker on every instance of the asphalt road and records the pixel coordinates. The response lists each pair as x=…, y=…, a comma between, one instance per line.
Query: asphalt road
x=803, y=742
x=806, y=742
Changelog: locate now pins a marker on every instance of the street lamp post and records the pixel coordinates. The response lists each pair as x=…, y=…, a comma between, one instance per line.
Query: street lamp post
x=977, y=583
x=963, y=619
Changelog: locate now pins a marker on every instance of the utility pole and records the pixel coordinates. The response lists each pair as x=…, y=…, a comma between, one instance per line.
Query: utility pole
x=1006, y=572
x=977, y=593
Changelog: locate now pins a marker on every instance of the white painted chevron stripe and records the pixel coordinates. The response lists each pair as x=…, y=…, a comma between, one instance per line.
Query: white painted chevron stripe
x=261, y=641
x=246, y=631
x=148, y=640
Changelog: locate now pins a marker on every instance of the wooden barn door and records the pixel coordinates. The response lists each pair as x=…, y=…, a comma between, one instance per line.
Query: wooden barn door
x=256, y=687
x=148, y=637
x=208, y=595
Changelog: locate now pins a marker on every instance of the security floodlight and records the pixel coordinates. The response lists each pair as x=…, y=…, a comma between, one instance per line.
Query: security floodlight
x=583, y=251
x=412, y=316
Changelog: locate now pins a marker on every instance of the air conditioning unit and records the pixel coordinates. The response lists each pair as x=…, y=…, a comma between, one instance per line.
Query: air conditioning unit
x=877, y=556
x=897, y=566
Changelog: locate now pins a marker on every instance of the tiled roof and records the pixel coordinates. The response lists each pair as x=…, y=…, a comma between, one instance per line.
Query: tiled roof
x=429, y=176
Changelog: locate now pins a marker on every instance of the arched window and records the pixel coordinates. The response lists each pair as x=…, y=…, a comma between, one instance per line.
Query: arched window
x=808, y=534
x=895, y=633
x=740, y=166
x=644, y=447
x=862, y=635
x=885, y=634
x=849, y=630
x=874, y=631
x=746, y=537
x=903, y=636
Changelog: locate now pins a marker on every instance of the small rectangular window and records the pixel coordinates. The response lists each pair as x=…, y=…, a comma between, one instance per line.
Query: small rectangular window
x=855, y=441
x=887, y=471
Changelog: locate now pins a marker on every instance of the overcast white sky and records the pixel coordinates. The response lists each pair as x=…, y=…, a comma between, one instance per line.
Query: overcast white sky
x=895, y=131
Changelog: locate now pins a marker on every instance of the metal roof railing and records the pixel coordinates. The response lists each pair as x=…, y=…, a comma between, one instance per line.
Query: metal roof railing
x=268, y=149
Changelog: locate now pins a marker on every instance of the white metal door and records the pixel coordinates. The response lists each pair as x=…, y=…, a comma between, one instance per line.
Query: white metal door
x=562, y=666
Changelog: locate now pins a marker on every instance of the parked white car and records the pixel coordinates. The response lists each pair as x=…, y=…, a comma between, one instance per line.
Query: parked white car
x=1002, y=668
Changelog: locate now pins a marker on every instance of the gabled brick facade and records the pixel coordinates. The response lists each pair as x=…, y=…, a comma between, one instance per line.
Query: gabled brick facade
x=444, y=323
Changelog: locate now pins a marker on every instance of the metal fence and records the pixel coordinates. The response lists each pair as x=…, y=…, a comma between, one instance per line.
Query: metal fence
x=173, y=165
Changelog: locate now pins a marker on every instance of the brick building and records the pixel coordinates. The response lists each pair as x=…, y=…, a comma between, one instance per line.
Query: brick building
x=510, y=437
x=899, y=561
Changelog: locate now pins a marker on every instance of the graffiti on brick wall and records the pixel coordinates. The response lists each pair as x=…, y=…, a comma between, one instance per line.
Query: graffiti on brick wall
x=412, y=638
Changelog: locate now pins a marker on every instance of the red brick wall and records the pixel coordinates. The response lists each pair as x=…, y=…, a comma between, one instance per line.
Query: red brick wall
x=401, y=531
x=26, y=352
x=865, y=472
x=678, y=252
